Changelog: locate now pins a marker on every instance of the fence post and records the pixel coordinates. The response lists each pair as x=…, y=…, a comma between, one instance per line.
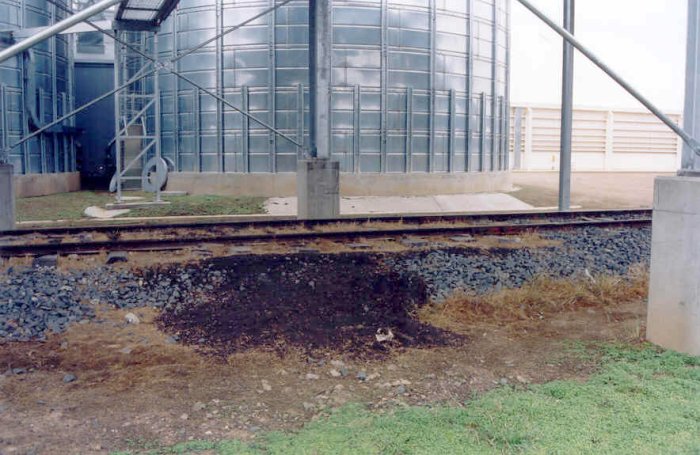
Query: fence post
x=679, y=146
x=517, y=138
x=527, y=151
x=609, y=140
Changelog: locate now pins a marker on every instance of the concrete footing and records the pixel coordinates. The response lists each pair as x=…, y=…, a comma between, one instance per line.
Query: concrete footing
x=7, y=198
x=284, y=184
x=31, y=185
x=318, y=189
x=673, y=318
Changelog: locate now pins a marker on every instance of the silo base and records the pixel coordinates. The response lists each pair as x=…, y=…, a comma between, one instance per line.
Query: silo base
x=284, y=185
x=7, y=198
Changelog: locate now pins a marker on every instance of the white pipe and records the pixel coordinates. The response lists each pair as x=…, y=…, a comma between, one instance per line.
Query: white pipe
x=57, y=28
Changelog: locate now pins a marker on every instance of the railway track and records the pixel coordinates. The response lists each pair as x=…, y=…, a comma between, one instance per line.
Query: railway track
x=81, y=240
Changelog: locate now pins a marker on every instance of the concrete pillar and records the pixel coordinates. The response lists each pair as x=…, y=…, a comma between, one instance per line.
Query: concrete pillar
x=320, y=67
x=691, y=109
x=318, y=189
x=7, y=198
x=318, y=178
x=673, y=317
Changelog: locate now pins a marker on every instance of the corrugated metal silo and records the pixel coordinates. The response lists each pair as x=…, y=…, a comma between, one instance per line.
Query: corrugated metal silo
x=419, y=86
x=35, y=88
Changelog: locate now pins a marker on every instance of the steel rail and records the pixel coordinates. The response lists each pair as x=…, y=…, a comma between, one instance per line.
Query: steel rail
x=264, y=222
x=159, y=244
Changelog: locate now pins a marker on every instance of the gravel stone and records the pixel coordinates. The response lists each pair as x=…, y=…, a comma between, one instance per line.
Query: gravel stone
x=599, y=250
x=68, y=378
x=46, y=261
x=35, y=302
x=117, y=256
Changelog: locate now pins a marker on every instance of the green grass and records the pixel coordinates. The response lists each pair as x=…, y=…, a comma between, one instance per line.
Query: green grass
x=642, y=401
x=70, y=206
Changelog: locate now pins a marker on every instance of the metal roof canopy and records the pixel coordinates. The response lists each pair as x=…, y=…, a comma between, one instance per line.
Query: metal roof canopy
x=142, y=15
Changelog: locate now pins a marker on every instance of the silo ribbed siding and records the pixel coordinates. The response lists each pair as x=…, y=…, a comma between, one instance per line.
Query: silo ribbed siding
x=37, y=87
x=410, y=81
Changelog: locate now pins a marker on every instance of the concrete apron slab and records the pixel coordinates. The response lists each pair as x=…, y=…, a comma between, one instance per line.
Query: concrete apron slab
x=673, y=317
x=482, y=202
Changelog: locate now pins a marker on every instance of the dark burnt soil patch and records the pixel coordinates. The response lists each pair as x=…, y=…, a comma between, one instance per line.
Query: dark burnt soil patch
x=311, y=302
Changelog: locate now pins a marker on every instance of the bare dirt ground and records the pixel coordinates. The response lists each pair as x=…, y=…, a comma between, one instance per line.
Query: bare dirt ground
x=590, y=190
x=136, y=389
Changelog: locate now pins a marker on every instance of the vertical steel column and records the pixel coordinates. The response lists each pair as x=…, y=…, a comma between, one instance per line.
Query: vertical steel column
x=431, y=88
x=42, y=137
x=356, y=113
x=176, y=91
x=197, y=125
x=117, y=111
x=507, y=107
x=245, y=127
x=272, y=88
x=482, y=137
x=494, y=86
x=64, y=137
x=300, y=119
x=567, y=101
x=3, y=125
x=451, y=134
x=156, y=98
x=54, y=89
x=409, y=129
x=470, y=81
x=502, y=151
x=219, y=81
x=383, y=86
x=320, y=51
x=26, y=163
x=691, y=110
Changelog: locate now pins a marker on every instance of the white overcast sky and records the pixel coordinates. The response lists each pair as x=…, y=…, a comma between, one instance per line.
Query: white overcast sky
x=642, y=40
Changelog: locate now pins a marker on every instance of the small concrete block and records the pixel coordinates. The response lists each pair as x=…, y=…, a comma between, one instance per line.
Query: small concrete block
x=50, y=260
x=117, y=256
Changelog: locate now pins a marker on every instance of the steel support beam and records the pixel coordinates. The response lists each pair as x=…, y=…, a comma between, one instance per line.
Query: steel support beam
x=687, y=138
x=57, y=28
x=567, y=110
x=320, y=41
x=691, y=111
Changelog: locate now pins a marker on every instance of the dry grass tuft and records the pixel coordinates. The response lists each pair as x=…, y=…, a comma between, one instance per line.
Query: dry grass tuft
x=539, y=299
